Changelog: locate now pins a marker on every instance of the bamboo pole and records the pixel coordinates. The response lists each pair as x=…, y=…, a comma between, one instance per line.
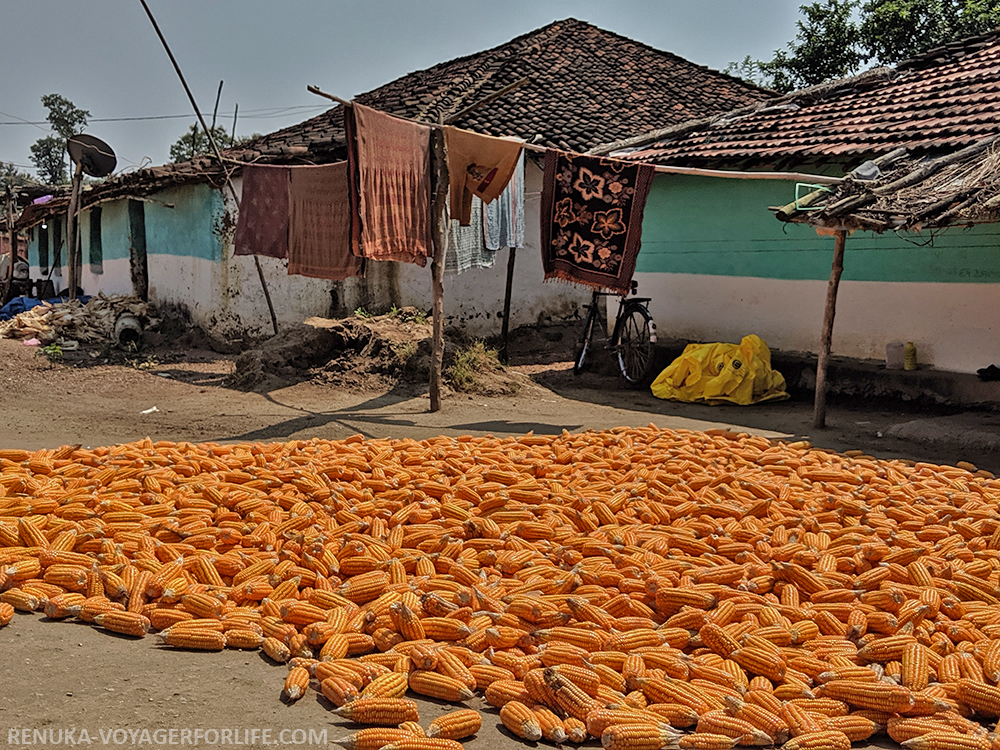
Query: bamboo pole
x=439, y=227
x=218, y=154
x=9, y=281
x=71, y=227
x=826, y=340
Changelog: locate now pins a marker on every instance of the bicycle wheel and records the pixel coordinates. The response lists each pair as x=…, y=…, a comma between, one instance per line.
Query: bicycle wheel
x=634, y=342
x=579, y=362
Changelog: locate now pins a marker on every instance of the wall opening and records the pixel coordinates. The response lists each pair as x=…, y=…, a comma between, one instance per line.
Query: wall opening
x=57, y=241
x=137, y=249
x=96, y=248
x=43, y=248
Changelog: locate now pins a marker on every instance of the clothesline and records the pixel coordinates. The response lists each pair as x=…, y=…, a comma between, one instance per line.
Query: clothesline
x=662, y=169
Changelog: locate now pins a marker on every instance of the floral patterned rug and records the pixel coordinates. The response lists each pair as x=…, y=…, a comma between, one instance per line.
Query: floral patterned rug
x=592, y=219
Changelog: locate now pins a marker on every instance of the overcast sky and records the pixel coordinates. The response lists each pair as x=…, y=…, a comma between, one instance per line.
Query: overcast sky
x=104, y=56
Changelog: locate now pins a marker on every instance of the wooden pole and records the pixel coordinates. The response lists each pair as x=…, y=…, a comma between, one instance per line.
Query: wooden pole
x=826, y=340
x=9, y=281
x=505, y=329
x=71, y=247
x=216, y=151
x=439, y=228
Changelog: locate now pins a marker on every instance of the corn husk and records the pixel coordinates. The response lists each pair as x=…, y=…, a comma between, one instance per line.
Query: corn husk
x=74, y=321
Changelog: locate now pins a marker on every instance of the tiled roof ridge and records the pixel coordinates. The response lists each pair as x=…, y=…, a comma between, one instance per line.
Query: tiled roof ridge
x=808, y=96
x=950, y=52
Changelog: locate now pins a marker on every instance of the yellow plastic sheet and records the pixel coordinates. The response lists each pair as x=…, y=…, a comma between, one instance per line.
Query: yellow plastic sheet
x=722, y=373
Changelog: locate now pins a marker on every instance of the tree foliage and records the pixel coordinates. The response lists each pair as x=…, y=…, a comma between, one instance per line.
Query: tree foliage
x=837, y=38
x=195, y=142
x=11, y=176
x=48, y=154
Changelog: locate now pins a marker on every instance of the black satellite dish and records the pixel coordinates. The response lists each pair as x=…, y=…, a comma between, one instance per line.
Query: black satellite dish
x=94, y=156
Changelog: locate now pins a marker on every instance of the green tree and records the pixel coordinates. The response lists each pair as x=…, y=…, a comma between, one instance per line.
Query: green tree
x=49, y=154
x=894, y=30
x=195, y=142
x=837, y=38
x=11, y=176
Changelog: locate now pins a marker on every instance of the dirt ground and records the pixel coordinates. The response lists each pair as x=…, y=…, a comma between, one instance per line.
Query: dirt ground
x=61, y=676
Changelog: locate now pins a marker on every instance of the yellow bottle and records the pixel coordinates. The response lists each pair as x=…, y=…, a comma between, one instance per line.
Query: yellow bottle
x=909, y=356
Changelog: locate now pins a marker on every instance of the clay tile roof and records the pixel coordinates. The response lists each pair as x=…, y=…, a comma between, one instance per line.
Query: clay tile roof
x=585, y=86
x=944, y=99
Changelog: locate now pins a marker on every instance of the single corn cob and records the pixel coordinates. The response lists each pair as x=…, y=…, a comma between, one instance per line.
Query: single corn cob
x=413, y=728
x=550, y=724
x=439, y=686
x=456, y=725
x=521, y=720
x=337, y=690
x=372, y=738
x=381, y=711
x=391, y=685
x=296, y=683
x=124, y=623
x=873, y=695
x=276, y=650
x=771, y=724
x=857, y=728
x=826, y=740
x=243, y=638
x=414, y=742
x=705, y=741
x=947, y=740
x=487, y=674
x=674, y=714
x=981, y=698
x=194, y=639
x=719, y=722
x=6, y=613
x=636, y=737
x=98, y=605
x=21, y=600
x=64, y=605
x=576, y=730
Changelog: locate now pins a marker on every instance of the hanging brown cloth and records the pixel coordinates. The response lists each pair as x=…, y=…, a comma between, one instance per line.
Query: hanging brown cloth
x=262, y=226
x=479, y=165
x=319, y=243
x=393, y=185
x=591, y=217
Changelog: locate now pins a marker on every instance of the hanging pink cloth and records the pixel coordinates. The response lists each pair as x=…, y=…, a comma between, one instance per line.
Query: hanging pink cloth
x=393, y=185
x=319, y=242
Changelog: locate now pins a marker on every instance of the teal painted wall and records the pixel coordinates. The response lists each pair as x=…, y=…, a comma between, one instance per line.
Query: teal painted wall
x=190, y=228
x=721, y=227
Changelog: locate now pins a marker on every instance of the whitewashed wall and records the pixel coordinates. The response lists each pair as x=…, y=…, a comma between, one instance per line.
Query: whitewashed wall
x=953, y=326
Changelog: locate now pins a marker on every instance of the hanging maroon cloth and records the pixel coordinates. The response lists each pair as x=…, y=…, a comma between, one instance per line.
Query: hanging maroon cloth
x=319, y=238
x=592, y=219
x=262, y=226
x=391, y=186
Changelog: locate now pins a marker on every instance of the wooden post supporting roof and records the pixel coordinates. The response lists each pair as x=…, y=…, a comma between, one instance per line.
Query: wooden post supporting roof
x=505, y=330
x=826, y=340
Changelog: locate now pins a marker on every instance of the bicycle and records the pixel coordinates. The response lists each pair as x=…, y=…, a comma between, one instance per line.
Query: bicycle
x=633, y=340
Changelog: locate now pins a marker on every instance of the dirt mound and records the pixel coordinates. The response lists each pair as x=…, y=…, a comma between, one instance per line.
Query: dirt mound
x=366, y=354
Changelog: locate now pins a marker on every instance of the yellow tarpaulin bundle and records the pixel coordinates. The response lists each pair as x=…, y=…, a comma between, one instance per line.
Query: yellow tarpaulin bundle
x=715, y=373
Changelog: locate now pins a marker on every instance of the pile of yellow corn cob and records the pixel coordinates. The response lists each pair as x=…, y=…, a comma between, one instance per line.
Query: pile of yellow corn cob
x=650, y=588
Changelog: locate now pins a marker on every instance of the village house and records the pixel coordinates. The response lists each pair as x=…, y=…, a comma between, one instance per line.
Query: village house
x=718, y=264
x=166, y=232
